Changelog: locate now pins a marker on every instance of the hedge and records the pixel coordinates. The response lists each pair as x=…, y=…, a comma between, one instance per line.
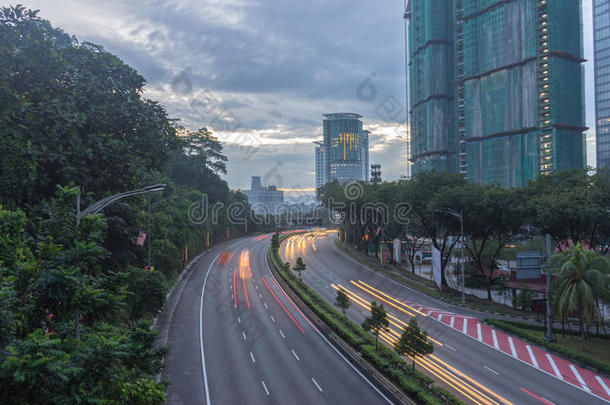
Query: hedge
x=416, y=384
x=522, y=330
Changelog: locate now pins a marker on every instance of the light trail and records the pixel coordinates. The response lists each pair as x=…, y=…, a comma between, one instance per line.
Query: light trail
x=371, y=292
x=234, y=289
x=282, y=305
x=392, y=298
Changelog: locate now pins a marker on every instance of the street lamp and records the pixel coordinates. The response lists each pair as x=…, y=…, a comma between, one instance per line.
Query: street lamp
x=97, y=207
x=461, y=218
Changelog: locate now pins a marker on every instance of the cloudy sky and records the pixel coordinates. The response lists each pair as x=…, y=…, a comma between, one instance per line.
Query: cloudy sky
x=261, y=72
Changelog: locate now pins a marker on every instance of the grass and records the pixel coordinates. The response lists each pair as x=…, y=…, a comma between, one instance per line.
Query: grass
x=429, y=288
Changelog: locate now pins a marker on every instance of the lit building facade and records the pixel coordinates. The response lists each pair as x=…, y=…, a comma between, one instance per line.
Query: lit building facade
x=496, y=88
x=601, y=47
x=344, y=153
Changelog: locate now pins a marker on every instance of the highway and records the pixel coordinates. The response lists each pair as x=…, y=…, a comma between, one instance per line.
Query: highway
x=479, y=373
x=235, y=338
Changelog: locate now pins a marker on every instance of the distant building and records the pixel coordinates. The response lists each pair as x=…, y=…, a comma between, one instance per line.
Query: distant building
x=264, y=200
x=601, y=46
x=496, y=88
x=375, y=173
x=344, y=153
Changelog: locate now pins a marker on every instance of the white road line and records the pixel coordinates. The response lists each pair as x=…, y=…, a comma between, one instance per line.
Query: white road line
x=547, y=401
x=555, y=369
x=449, y=347
x=265, y=304
x=479, y=337
x=452, y=322
x=205, y=374
x=465, y=328
x=493, y=371
x=238, y=319
x=314, y=381
x=440, y=317
x=603, y=384
x=265, y=387
x=495, y=338
x=260, y=296
x=295, y=355
x=429, y=312
x=272, y=318
x=252, y=357
x=532, y=357
x=282, y=333
x=580, y=380
x=512, y=346
x=244, y=335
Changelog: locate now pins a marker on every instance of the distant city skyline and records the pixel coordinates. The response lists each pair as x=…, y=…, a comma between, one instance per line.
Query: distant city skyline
x=274, y=75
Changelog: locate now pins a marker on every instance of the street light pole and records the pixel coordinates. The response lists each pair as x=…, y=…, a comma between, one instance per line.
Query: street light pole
x=549, y=315
x=461, y=218
x=95, y=208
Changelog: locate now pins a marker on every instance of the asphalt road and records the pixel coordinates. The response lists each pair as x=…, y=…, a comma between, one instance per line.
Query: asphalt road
x=507, y=379
x=252, y=347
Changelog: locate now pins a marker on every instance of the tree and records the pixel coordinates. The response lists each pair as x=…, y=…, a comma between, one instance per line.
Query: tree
x=342, y=300
x=275, y=241
x=378, y=321
x=299, y=266
x=413, y=342
x=584, y=276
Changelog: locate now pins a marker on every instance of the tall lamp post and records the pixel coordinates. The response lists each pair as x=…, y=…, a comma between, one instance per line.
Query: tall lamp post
x=459, y=216
x=95, y=208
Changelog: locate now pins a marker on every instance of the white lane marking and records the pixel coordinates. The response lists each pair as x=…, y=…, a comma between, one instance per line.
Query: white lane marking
x=512, y=346
x=493, y=371
x=479, y=337
x=429, y=312
x=295, y=355
x=314, y=381
x=495, y=338
x=272, y=318
x=244, y=335
x=265, y=304
x=452, y=322
x=238, y=319
x=580, y=380
x=265, y=387
x=603, y=384
x=547, y=401
x=532, y=357
x=282, y=333
x=252, y=357
x=205, y=374
x=555, y=369
x=260, y=296
x=465, y=328
x=440, y=317
x=381, y=394
x=449, y=347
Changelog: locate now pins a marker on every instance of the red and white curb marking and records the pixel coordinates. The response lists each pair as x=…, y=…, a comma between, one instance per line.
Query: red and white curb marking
x=532, y=355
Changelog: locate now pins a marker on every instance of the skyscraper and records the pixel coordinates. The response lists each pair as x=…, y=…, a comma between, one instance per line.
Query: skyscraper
x=601, y=47
x=509, y=75
x=344, y=152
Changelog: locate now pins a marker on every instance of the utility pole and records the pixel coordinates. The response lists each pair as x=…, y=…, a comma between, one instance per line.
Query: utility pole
x=549, y=315
x=462, y=261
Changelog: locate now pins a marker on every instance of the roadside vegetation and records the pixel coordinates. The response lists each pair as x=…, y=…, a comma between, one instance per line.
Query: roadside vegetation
x=414, y=383
x=74, y=121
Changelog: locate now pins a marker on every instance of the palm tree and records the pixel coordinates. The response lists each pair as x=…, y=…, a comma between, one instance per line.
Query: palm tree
x=583, y=279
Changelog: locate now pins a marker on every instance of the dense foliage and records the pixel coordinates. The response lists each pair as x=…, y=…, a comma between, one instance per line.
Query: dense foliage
x=74, y=121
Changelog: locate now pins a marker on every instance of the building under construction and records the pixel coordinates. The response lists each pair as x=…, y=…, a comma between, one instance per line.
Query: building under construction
x=496, y=87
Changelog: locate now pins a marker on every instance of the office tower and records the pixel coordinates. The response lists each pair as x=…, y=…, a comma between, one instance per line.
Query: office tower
x=509, y=75
x=601, y=47
x=344, y=153
x=264, y=200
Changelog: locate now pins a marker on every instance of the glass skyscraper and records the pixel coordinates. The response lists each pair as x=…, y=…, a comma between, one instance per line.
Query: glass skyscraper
x=344, y=153
x=601, y=47
x=496, y=87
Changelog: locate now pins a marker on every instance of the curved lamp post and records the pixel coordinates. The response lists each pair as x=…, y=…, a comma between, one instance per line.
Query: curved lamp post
x=459, y=216
x=96, y=207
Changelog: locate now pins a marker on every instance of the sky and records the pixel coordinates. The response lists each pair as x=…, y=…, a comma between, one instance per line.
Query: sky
x=260, y=73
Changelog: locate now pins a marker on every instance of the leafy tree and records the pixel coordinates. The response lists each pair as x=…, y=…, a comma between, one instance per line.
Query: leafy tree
x=299, y=266
x=584, y=276
x=342, y=300
x=378, y=321
x=413, y=342
x=275, y=241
